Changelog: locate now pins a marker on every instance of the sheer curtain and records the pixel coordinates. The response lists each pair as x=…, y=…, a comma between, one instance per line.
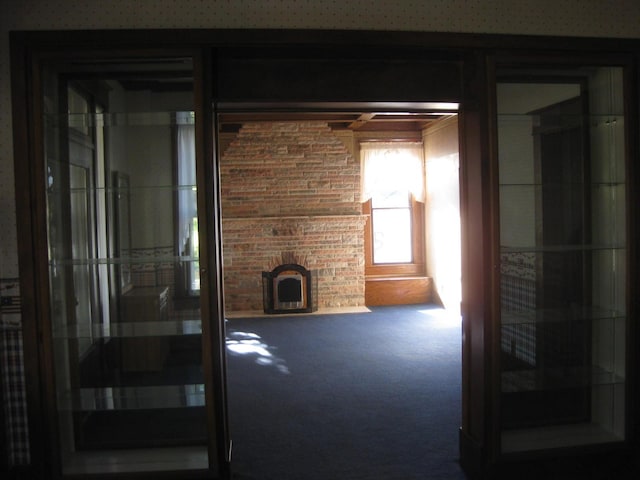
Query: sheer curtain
x=391, y=166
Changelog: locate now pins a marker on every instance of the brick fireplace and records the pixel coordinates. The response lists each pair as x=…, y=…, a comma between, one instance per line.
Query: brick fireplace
x=291, y=188
x=289, y=288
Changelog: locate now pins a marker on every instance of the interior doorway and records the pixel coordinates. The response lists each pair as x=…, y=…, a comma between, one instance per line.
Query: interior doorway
x=275, y=209
x=293, y=191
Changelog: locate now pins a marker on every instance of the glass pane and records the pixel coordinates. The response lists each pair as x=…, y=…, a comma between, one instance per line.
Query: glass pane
x=390, y=199
x=123, y=263
x=391, y=235
x=563, y=258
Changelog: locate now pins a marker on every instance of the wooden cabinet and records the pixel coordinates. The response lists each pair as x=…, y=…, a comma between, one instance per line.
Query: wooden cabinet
x=563, y=331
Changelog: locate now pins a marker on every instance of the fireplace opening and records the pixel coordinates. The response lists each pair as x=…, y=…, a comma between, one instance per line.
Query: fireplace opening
x=289, y=291
x=289, y=288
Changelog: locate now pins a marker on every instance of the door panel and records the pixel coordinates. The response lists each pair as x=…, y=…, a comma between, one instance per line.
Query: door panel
x=129, y=353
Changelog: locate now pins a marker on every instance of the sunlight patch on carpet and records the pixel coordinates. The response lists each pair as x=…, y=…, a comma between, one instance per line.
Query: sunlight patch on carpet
x=442, y=318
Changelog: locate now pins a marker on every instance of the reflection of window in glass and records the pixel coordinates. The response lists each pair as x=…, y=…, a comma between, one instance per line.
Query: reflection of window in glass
x=187, y=207
x=194, y=276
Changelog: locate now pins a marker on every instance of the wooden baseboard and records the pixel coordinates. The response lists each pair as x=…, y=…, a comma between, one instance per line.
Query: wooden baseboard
x=398, y=290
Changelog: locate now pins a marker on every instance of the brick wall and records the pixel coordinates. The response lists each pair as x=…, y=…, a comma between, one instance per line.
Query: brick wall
x=291, y=189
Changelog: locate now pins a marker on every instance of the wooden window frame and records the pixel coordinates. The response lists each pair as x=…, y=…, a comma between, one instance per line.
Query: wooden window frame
x=414, y=268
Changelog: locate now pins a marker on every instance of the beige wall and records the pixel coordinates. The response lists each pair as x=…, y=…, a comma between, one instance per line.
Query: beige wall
x=599, y=18
x=442, y=213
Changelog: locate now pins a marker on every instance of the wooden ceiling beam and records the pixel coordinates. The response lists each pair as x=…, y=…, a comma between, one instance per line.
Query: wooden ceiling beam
x=361, y=121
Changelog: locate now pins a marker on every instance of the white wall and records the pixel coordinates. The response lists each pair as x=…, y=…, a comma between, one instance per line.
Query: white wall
x=599, y=18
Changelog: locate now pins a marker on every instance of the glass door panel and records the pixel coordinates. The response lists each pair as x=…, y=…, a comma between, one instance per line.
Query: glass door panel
x=122, y=222
x=562, y=190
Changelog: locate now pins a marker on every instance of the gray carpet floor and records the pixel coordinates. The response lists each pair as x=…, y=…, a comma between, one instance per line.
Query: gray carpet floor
x=356, y=396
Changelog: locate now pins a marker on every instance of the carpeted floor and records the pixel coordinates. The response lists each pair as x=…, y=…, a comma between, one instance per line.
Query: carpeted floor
x=355, y=396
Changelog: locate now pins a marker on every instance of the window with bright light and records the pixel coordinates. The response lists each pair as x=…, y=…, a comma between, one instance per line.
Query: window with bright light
x=392, y=193
x=391, y=223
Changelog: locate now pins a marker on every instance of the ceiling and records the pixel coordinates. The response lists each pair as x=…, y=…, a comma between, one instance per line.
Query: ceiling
x=357, y=121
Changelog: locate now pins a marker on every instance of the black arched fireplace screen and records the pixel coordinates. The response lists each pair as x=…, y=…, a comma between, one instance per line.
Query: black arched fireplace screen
x=289, y=288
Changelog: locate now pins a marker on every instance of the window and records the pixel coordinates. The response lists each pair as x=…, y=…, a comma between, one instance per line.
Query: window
x=188, y=282
x=393, y=190
x=391, y=225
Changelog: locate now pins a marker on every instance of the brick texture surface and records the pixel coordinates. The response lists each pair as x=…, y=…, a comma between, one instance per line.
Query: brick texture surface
x=291, y=190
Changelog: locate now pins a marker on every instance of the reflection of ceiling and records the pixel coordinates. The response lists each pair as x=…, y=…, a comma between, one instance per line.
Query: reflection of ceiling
x=355, y=121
